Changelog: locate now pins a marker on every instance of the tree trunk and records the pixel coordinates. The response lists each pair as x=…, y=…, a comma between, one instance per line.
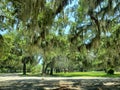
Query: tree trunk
x=43, y=68
x=51, y=71
x=46, y=72
x=24, y=68
x=52, y=66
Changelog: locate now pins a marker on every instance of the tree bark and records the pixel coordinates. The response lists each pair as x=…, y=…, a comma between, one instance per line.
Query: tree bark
x=46, y=69
x=43, y=68
x=24, y=68
x=52, y=66
x=51, y=71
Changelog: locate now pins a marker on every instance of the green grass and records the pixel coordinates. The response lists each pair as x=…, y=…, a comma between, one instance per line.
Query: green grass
x=86, y=74
x=77, y=74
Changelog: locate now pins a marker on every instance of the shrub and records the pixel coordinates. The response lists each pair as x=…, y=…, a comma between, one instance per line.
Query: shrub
x=110, y=71
x=36, y=69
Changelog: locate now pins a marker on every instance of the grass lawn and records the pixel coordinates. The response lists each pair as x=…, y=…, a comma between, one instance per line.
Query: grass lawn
x=86, y=74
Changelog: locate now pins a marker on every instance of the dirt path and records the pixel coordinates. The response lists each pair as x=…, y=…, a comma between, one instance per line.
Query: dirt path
x=16, y=82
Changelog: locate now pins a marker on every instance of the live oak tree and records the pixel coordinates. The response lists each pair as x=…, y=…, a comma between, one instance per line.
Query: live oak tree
x=99, y=18
x=35, y=16
x=45, y=28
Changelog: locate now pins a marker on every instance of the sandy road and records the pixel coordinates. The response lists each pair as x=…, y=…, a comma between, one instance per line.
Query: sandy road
x=16, y=82
x=14, y=76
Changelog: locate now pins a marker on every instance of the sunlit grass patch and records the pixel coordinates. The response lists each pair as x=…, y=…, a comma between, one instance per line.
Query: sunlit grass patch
x=86, y=74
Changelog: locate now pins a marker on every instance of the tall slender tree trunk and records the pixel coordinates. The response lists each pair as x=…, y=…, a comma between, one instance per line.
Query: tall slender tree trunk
x=47, y=65
x=43, y=67
x=52, y=66
x=24, y=68
x=51, y=70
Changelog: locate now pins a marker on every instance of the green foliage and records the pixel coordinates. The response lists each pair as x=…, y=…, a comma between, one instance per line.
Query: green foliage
x=3, y=70
x=36, y=69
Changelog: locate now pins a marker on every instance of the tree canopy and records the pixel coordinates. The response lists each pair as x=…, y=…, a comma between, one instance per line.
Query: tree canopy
x=85, y=32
